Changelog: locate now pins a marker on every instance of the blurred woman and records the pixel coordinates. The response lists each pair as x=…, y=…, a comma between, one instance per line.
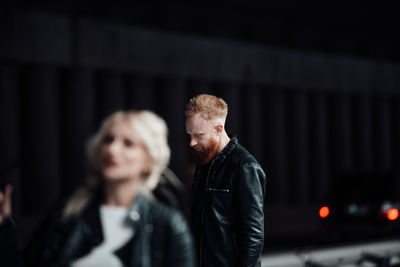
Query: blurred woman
x=113, y=220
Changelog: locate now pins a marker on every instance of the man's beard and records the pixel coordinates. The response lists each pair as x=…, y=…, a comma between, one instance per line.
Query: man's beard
x=203, y=155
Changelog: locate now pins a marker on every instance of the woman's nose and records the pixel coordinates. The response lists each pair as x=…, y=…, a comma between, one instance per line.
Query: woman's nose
x=113, y=148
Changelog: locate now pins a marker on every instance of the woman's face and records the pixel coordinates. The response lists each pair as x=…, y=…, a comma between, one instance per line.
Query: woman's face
x=122, y=153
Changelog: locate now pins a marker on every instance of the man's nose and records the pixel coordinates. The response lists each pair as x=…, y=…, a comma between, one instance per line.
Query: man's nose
x=193, y=142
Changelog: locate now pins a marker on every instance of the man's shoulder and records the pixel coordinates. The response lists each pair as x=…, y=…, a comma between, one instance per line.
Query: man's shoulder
x=244, y=163
x=242, y=157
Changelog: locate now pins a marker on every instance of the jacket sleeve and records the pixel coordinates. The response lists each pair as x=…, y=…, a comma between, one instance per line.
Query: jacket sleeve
x=38, y=250
x=249, y=202
x=180, y=249
x=9, y=253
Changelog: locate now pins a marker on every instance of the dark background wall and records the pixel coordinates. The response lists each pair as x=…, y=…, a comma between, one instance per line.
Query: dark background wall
x=313, y=94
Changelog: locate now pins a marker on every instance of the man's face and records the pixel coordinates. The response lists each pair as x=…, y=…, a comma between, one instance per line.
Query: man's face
x=204, y=138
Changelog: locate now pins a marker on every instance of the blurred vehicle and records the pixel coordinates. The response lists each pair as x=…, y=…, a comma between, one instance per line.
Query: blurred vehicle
x=361, y=206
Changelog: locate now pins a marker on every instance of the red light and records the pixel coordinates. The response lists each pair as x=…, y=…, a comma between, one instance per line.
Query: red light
x=324, y=212
x=392, y=214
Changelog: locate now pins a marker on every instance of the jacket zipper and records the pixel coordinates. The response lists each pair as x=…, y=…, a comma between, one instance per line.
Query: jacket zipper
x=195, y=189
x=217, y=190
x=202, y=214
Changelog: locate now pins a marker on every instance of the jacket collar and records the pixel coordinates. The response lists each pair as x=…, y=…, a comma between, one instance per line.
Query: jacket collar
x=138, y=213
x=140, y=208
x=233, y=143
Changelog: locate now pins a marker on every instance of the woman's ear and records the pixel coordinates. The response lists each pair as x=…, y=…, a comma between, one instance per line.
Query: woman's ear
x=146, y=170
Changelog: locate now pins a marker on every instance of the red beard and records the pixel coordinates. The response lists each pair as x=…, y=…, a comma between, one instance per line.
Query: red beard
x=203, y=155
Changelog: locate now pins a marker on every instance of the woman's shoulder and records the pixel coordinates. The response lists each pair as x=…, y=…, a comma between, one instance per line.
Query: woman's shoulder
x=161, y=209
x=162, y=213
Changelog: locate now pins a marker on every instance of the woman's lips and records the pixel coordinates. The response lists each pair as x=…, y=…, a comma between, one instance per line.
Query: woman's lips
x=109, y=163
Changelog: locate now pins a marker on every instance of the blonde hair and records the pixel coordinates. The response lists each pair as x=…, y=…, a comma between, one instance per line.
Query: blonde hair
x=152, y=131
x=209, y=106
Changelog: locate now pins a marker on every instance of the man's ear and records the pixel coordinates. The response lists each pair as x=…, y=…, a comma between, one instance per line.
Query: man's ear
x=219, y=128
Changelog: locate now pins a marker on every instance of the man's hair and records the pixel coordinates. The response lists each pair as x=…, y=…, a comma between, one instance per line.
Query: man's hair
x=209, y=106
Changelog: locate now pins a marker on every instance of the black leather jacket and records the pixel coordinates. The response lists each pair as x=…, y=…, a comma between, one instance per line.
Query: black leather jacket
x=228, y=220
x=161, y=238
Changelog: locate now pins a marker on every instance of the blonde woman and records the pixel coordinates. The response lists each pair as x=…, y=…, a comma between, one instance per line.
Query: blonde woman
x=113, y=219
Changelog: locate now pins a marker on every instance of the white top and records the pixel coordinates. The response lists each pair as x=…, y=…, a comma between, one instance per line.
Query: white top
x=116, y=233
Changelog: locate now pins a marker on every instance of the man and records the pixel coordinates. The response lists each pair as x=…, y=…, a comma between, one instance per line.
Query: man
x=227, y=215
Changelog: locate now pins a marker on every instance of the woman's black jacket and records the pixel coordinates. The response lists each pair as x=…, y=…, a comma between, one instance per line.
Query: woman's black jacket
x=161, y=237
